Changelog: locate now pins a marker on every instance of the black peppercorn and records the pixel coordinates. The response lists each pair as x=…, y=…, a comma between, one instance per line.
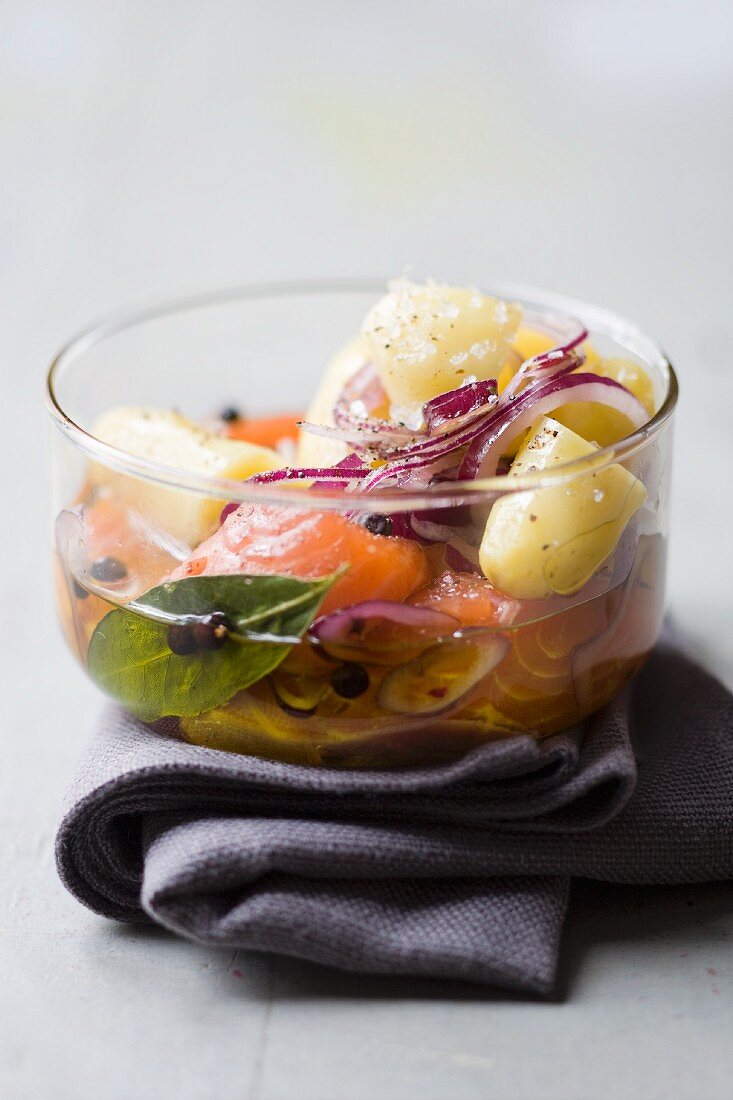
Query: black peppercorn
x=180, y=639
x=378, y=524
x=108, y=570
x=230, y=414
x=79, y=592
x=350, y=680
x=210, y=632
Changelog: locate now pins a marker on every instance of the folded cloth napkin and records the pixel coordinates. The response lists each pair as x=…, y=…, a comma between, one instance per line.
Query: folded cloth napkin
x=457, y=870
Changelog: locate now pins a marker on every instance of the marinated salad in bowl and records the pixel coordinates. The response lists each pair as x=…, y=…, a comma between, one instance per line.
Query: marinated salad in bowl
x=461, y=538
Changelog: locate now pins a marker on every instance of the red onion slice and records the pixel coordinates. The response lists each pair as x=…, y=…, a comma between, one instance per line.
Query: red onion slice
x=466, y=399
x=349, y=467
x=360, y=396
x=376, y=437
x=227, y=510
x=431, y=459
x=329, y=476
x=347, y=625
x=482, y=457
x=417, y=474
x=453, y=411
x=549, y=364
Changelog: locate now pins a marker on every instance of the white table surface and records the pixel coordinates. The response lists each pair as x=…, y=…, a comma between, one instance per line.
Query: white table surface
x=151, y=148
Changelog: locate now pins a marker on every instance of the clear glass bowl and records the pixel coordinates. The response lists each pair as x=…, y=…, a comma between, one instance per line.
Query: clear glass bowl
x=379, y=696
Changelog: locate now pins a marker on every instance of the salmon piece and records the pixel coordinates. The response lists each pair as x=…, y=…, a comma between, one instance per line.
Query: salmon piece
x=469, y=598
x=267, y=431
x=265, y=539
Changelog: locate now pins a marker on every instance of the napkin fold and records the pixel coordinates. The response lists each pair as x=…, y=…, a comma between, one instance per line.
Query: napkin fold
x=457, y=870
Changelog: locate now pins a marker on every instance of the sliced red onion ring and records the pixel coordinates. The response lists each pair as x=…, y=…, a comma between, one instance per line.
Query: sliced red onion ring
x=415, y=469
x=466, y=399
x=346, y=467
x=482, y=456
x=431, y=459
x=347, y=624
x=360, y=396
x=329, y=476
x=469, y=405
x=372, y=436
x=457, y=436
x=549, y=364
x=227, y=510
x=352, y=419
x=416, y=474
x=454, y=411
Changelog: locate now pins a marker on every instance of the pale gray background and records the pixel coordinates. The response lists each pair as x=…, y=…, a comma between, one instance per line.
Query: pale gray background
x=155, y=147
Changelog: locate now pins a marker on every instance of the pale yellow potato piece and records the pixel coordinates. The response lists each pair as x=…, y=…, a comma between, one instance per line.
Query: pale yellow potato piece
x=593, y=421
x=314, y=450
x=599, y=423
x=169, y=439
x=530, y=342
x=545, y=541
x=427, y=339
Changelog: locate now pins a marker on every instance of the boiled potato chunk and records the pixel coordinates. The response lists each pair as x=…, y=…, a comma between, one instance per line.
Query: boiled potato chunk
x=530, y=342
x=313, y=450
x=597, y=423
x=427, y=339
x=169, y=439
x=544, y=541
x=600, y=423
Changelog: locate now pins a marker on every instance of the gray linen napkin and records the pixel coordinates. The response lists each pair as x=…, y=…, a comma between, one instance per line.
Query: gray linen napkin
x=457, y=870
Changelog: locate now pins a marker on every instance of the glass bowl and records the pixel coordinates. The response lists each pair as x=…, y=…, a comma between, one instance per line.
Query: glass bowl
x=362, y=691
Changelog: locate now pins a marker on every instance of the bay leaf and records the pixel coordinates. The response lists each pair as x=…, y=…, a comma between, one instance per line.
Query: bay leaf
x=129, y=656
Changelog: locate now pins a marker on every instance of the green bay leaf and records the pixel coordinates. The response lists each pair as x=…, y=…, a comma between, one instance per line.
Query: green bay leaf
x=130, y=659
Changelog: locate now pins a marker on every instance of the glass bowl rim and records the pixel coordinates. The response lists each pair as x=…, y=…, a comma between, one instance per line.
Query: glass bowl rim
x=596, y=318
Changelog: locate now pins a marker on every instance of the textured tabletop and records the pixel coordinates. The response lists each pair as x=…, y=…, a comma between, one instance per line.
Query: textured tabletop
x=147, y=149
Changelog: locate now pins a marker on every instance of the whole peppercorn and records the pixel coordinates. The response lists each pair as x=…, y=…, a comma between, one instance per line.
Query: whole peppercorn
x=350, y=680
x=108, y=570
x=229, y=415
x=180, y=639
x=378, y=523
x=208, y=632
x=211, y=632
